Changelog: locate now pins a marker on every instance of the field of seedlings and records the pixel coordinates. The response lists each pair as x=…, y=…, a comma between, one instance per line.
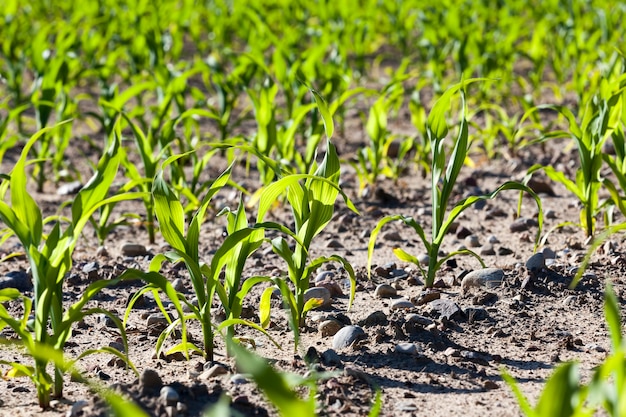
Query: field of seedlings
x=312, y=208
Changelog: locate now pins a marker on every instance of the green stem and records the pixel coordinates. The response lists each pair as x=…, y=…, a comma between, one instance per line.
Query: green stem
x=432, y=265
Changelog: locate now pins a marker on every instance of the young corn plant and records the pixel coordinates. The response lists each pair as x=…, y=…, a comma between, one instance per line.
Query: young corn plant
x=240, y=244
x=372, y=159
x=443, y=177
x=50, y=259
x=312, y=206
x=597, y=122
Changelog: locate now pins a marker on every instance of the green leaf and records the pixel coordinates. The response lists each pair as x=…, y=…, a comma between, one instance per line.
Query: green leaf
x=327, y=117
x=275, y=385
x=170, y=214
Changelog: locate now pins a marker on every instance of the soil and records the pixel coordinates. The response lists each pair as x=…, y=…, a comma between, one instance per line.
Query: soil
x=526, y=326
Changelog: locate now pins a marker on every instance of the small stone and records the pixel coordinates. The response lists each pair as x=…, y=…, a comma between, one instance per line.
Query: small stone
x=503, y=251
x=493, y=240
x=134, y=249
x=522, y=224
x=487, y=250
x=329, y=327
x=332, y=286
x=426, y=297
x=19, y=280
x=472, y=241
x=550, y=214
x=92, y=270
x=447, y=309
x=238, y=379
x=486, y=277
x=347, y=336
x=401, y=304
x=214, y=371
x=385, y=291
x=178, y=285
x=377, y=318
x=463, y=232
x=385, y=270
x=334, y=244
x=324, y=276
x=418, y=319
x=535, y=263
x=69, y=188
x=393, y=237
x=168, y=395
x=320, y=293
x=150, y=380
x=548, y=253
x=475, y=314
x=330, y=358
x=407, y=348
x=156, y=319
x=117, y=346
x=423, y=259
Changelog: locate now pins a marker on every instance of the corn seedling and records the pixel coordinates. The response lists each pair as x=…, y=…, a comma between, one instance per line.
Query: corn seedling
x=232, y=253
x=50, y=258
x=312, y=206
x=596, y=123
x=444, y=176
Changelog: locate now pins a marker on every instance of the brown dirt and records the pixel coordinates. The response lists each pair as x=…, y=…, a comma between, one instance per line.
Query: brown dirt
x=527, y=326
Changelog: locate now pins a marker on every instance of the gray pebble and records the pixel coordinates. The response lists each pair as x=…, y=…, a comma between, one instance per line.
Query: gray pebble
x=548, y=253
x=522, y=224
x=550, y=214
x=347, y=336
x=156, y=323
x=238, y=379
x=92, y=270
x=323, y=276
x=487, y=250
x=134, y=249
x=333, y=243
x=178, y=285
x=385, y=291
x=423, y=259
x=418, y=319
x=393, y=237
x=168, y=395
x=407, y=348
x=536, y=263
x=472, y=241
x=329, y=327
x=19, y=280
x=377, y=318
x=331, y=358
x=493, y=240
x=486, y=277
x=213, y=371
x=401, y=304
x=321, y=293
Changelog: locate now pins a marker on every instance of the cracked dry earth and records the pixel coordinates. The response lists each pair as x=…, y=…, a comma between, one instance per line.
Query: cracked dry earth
x=435, y=353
